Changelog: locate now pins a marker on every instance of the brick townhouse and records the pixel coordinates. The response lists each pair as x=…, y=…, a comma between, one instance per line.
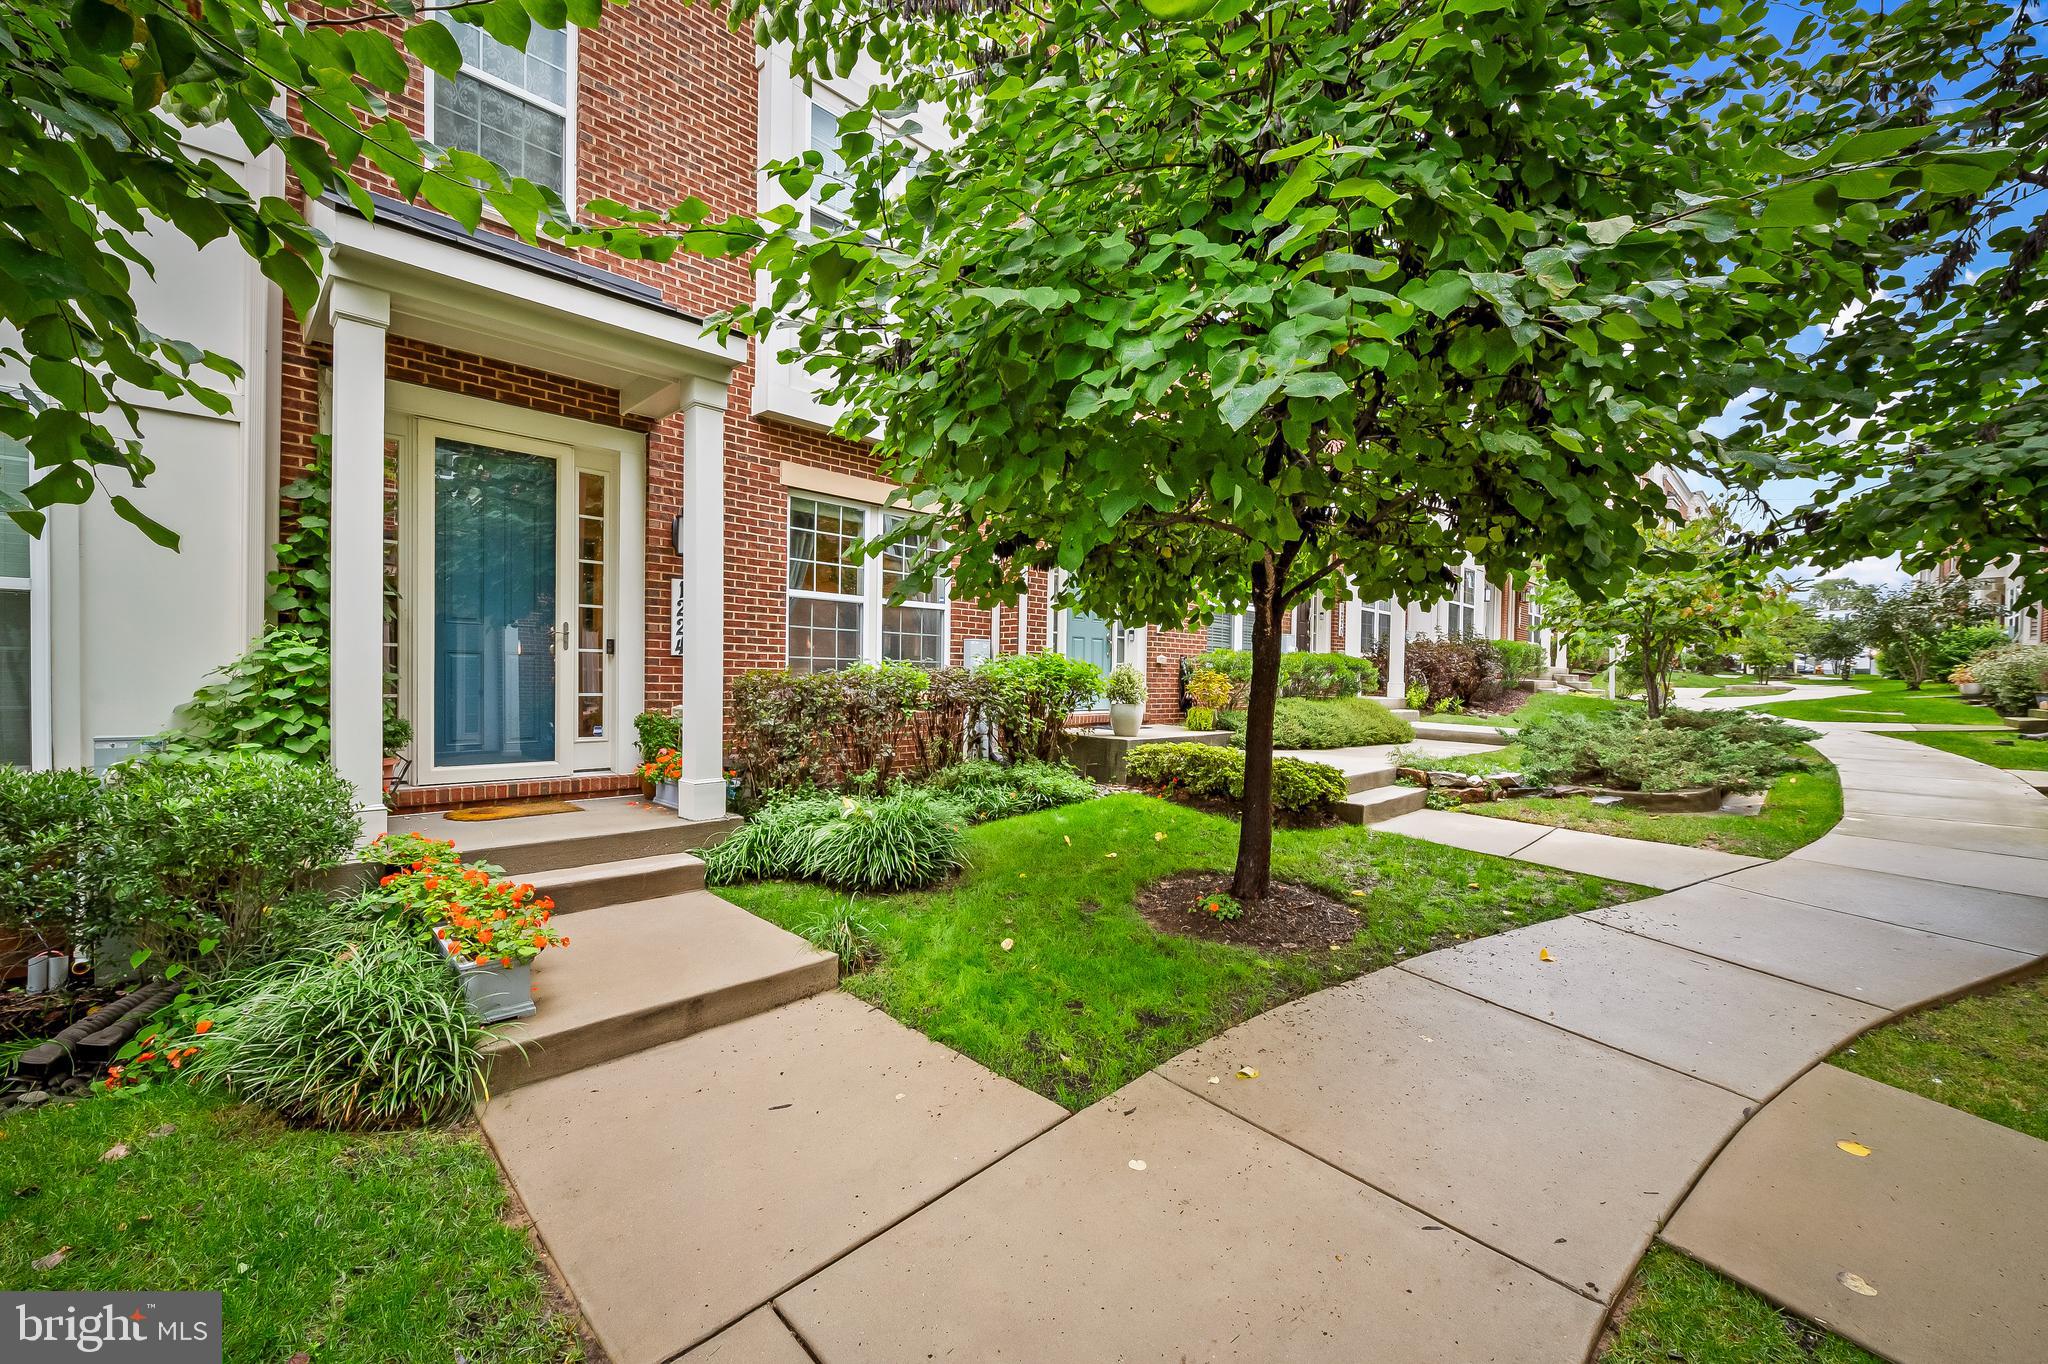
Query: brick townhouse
x=553, y=492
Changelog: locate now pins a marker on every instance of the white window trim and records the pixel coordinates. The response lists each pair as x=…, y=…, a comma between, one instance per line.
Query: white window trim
x=871, y=598
x=566, y=111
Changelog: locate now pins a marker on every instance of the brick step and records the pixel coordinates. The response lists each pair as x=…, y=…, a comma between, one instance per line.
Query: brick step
x=636, y=975
x=1370, y=807
x=2028, y=724
x=577, y=889
x=1463, y=734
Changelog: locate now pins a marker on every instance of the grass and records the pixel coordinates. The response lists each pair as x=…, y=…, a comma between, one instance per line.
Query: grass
x=1506, y=758
x=1800, y=807
x=1751, y=689
x=1986, y=1055
x=1686, y=679
x=1540, y=706
x=1886, y=700
x=300, y=1231
x=1996, y=750
x=1091, y=996
x=1680, y=1309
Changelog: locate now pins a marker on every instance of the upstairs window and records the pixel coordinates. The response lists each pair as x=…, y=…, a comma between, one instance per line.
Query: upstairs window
x=510, y=107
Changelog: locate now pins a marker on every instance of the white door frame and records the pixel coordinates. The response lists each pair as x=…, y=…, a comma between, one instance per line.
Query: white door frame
x=415, y=416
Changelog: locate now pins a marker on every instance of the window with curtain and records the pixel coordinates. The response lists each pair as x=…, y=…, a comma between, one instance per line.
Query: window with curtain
x=508, y=106
x=840, y=612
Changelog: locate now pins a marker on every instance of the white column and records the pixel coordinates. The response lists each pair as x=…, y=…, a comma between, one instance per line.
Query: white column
x=701, y=792
x=1320, y=636
x=355, y=609
x=1397, y=653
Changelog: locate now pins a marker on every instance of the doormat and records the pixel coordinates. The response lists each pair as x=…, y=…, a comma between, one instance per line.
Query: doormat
x=518, y=811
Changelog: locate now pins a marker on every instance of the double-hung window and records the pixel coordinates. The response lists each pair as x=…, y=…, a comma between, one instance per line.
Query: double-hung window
x=840, y=612
x=1375, y=625
x=1461, y=613
x=511, y=107
x=1234, y=630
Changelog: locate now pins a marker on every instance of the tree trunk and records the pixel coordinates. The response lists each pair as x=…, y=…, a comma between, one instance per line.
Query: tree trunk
x=1254, y=874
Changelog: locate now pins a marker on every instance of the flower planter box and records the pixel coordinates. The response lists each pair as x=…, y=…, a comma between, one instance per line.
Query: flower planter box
x=665, y=795
x=498, y=994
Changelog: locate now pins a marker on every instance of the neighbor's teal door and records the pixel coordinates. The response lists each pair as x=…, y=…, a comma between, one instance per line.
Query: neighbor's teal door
x=496, y=569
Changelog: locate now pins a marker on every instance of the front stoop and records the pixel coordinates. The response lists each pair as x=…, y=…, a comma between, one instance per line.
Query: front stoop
x=1100, y=755
x=1464, y=734
x=640, y=974
x=2035, y=721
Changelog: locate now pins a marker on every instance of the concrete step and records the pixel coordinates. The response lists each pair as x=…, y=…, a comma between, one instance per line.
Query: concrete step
x=2037, y=713
x=636, y=975
x=620, y=882
x=1405, y=713
x=560, y=843
x=2028, y=724
x=1463, y=734
x=1368, y=779
x=1370, y=807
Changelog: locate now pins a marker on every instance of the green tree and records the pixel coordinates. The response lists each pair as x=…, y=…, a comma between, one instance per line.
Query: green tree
x=1690, y=592
x=1907, y=623
x=1237, y=306
x=97, y=101
x=1923, y=415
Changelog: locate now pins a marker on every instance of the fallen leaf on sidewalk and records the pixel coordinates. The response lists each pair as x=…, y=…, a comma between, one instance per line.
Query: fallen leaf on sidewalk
x=118, y=1151
x=1854, y=1148
x=1544, y=955
x=52, y=1260
x=1137, y=1165
x=1215, y=1079
x=1855, y=1283
x=1247, y=1073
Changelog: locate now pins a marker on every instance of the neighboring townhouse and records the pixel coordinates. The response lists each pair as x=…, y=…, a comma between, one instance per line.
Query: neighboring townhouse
x=1999, y=588
x=556, y=499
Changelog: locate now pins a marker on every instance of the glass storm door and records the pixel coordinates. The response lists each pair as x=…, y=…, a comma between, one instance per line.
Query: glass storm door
x=498, y=607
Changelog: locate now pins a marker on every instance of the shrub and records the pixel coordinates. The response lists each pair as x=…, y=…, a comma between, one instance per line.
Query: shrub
x=198, y=846
x=1213, y=772
x=1200, y=717
x=1520, y=659
x=1623, y=748
x=358, y=1028
x=49, y=865
x=657, y=730
x=1209, y=690
x=272, y=699
x=1961, y=644
x=988, y=790
x=793, y=730
x=1347, y=722
x=1123, y=687
x=1301, y=674
x=1465, y=670
x=908, y=838
x=1025, y=700
x=2013, y=676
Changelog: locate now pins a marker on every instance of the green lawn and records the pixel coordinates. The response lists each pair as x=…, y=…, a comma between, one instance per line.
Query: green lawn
x=1091, y=996
x=1986, y=1055
x=1686, y=679
x=1540, y=706
x=1678, y=1309
x=1751, y=689
x=1801, y=807
x=1998, y=750
x=1886, y=700
x=334, y=1245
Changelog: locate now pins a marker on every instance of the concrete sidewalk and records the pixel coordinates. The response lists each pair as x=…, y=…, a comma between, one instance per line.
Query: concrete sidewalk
x=1459, y=1159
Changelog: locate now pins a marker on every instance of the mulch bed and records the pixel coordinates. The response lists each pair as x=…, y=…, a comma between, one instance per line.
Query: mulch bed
x=1291, y=919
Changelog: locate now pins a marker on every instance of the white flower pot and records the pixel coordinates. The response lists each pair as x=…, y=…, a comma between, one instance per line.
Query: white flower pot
x=1969, y=688
x=1124, y=718
x=497, y=994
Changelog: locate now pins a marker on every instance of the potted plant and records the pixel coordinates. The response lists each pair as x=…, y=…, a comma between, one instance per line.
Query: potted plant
x=664, y=772
x=1966, y=681
x=397, y=736
x=1126, y=693
x=659, y=732
x=488, y=928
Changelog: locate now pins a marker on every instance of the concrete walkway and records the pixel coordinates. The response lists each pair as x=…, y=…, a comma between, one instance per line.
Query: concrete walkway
x=1661, y=866
x=1459, y=1159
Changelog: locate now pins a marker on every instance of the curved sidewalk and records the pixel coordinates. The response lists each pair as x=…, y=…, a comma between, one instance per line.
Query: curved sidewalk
x=1464, y=1157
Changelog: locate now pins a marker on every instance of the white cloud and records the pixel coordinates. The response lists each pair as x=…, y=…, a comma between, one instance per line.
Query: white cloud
x=1876, y=572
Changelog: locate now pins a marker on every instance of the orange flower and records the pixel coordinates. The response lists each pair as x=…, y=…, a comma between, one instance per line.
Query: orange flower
x=203, y=1026
x=175, y=1062
x=482, y=960
x=565, y=942
x=147, y=1056
x=484, y=935
x=505, y=962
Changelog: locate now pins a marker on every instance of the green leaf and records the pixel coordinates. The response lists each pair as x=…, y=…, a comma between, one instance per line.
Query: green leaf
x=436, y=48
x=1608, y=231
x=1440, y=295
x=1242, y=403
